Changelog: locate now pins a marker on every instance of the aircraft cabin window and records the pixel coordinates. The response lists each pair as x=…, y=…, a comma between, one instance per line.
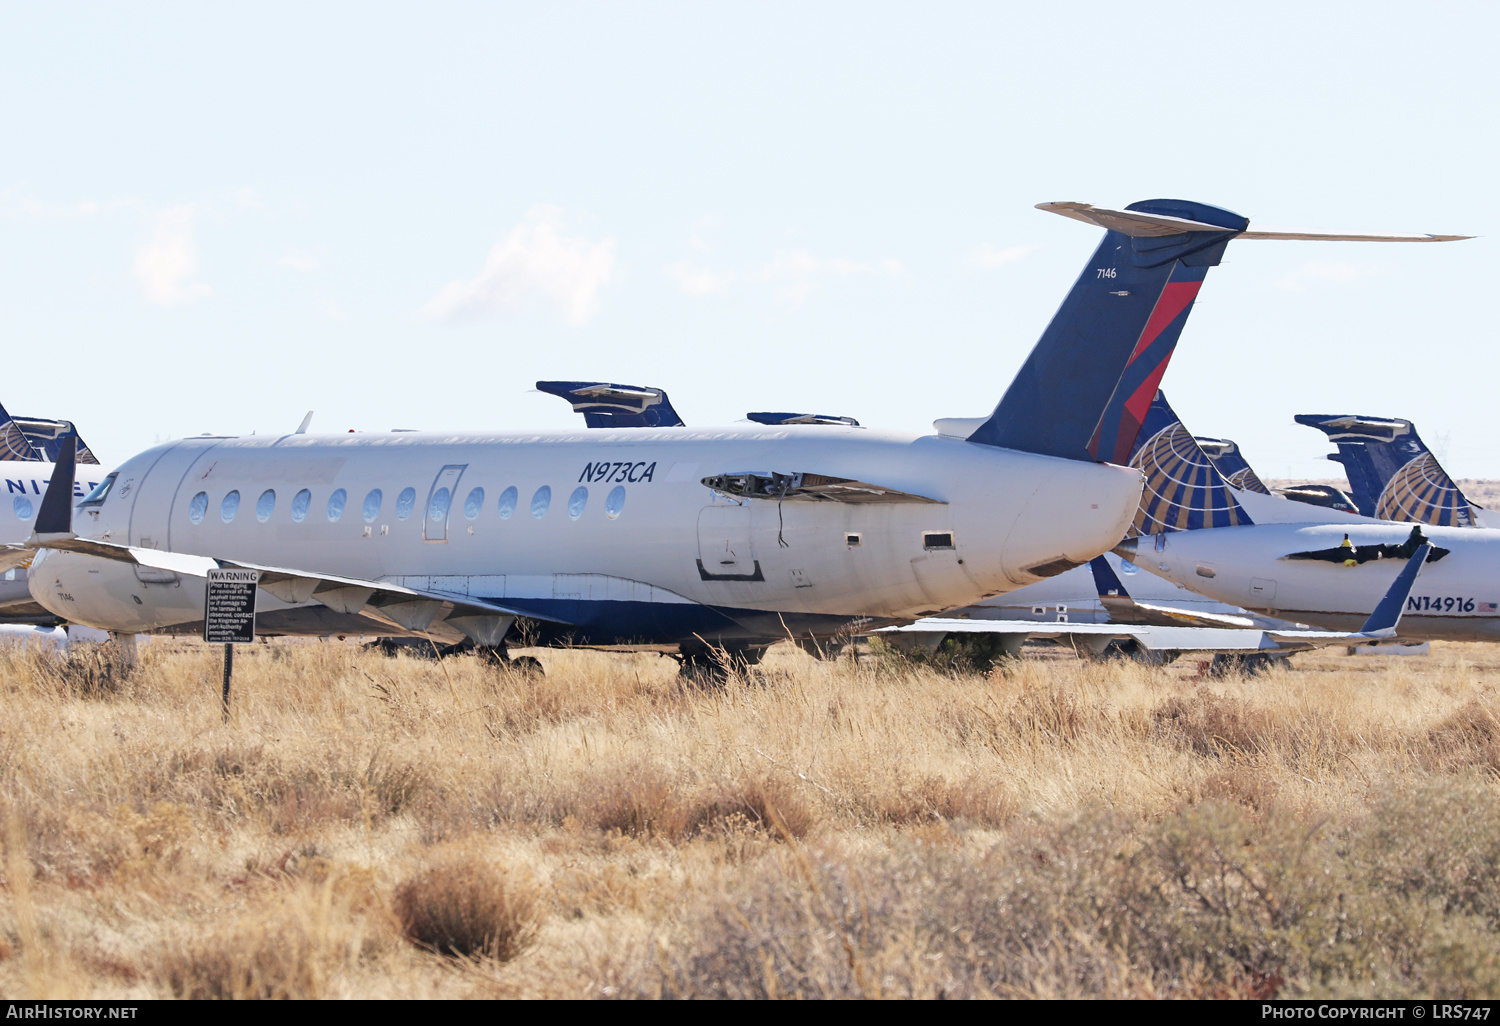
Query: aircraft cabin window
x=198, y=507
x=404, y=503
x=577, y=501
x=508, y=500
x=230, y=506
x=372, y=505
x=474, y=504
x=614, y=502
x=437, y=506
x=23, y=507
x=540, y=501
x=300, y=503
x=96, y=496
x=336, y=505
x=265, y=505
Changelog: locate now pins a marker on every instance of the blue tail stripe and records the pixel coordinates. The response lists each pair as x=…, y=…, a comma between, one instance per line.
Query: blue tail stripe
x=1080, y=380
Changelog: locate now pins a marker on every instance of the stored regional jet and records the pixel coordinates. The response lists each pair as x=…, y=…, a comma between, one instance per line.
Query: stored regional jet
x=1392, y=474
x=1319, y=566
x=25, y=471
x=734, y=537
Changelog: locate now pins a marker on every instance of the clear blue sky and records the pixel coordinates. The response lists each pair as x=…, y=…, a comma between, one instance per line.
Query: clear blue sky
x=216, y=217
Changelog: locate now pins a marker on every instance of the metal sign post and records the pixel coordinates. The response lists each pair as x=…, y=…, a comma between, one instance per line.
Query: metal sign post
x=229, y=616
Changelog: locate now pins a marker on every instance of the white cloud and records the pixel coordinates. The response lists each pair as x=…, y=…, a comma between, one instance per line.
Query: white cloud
x=797, y=274
x=534, y=260
x=986, y=256
x=166, y=262
x=1332, y=273
x=699, y=281
x=13, y=202
x=300, y=261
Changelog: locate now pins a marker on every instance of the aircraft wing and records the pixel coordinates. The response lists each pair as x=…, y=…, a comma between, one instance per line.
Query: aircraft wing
x=13, y=556
x=1380, y=626
x=1155, y=638
x=408, y=609
x=1124, y=609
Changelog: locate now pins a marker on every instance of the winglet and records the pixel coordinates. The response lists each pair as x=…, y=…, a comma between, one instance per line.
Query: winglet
x=1107, y=581
x=1382, y=623
x=55, y=519
x=306, y=422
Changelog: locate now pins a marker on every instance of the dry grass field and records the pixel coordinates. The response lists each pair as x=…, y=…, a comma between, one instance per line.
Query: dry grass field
x=394, y=827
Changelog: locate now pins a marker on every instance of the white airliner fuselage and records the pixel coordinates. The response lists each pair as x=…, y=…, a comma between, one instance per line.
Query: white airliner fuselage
x=23, y=484
x=1457, y=597
x=609, y=536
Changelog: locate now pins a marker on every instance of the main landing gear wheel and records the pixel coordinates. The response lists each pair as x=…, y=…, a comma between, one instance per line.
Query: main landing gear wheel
x=712, y=666
x=1225, y=665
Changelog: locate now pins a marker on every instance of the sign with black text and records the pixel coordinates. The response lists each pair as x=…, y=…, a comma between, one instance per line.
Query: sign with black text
x=229, y=609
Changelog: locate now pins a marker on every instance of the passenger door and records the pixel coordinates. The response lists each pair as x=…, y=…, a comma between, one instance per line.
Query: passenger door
x=440, y=503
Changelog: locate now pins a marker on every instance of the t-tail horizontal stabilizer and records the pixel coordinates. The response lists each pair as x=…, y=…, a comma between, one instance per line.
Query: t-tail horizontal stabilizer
x=1392, y=474
x=608, y=405
x=1109, y=344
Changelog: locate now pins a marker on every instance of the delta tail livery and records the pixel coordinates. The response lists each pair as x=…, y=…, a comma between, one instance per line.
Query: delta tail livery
x=733, y=537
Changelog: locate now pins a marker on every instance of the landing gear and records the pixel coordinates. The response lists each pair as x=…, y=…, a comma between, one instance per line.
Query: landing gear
x=497, y=656
x=1225, y=665
x=714, y=665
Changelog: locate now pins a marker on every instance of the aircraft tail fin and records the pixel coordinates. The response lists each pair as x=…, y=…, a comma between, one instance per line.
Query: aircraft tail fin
x=1387, y=615
x=46, y=437
x=1392, y=474
x=1106, y=580
x=1184, y=490
x=1085, y=389
x=1233, y=465
x=1087, y=385
x=607, y=405
x=55, y=518
x=14, y=445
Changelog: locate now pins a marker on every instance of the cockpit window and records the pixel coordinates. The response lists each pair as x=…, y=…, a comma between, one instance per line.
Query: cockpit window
x=96, y=496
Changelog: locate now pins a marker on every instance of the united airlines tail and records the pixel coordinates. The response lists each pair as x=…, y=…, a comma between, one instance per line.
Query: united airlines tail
x=14, y=445
x=1392, y=474
x=1235, y=468
x=1184, y=490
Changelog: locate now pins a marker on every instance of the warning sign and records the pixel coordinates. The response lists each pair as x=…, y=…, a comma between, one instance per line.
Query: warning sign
x=229, y=609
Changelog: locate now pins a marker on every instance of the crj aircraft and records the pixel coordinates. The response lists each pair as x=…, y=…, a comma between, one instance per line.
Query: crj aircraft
x=27, y=447
x=731, y=537
x=1303, y=562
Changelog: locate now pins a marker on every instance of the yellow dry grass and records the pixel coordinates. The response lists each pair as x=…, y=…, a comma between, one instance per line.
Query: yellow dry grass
x=861, y=827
